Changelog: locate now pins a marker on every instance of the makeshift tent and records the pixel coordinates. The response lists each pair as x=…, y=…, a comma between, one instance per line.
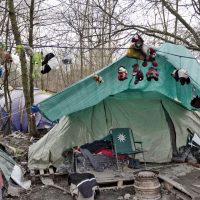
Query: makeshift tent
x=93, y=108
x=19, y=116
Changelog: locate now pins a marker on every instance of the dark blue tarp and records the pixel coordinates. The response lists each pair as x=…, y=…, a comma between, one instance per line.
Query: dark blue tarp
x=19, y=121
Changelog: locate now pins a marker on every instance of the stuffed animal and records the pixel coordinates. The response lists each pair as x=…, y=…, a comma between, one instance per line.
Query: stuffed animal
x=135, y=69
x=46, y=69
x=28, y=50
x=149, y=53
x=37, y=64
x=66, y=59
x=137, y=73
x=19, y=49
x=8, y=57
x=150, y=56
x=138, y=77
x=152, y=74
x=98, y=78
x=195, y=102
x=137, y=41
x=47, y=58
x=181, y=75
x=122, y=73
x=5, y=57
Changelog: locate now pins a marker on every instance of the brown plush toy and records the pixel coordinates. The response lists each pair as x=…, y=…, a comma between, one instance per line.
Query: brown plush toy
x=98, y=78
x=5, y=57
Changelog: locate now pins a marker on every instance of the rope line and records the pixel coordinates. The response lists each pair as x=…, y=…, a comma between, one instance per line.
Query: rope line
x=99, y=48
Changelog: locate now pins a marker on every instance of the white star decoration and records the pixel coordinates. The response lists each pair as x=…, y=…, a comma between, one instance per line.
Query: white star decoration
x=121, y=137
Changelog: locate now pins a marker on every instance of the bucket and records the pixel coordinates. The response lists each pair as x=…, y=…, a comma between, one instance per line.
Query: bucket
x=147, y=185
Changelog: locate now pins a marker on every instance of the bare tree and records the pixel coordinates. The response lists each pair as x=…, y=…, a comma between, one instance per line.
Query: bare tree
x=23, y=61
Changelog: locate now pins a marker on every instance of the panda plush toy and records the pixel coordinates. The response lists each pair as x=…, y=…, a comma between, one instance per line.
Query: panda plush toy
x=181, y=75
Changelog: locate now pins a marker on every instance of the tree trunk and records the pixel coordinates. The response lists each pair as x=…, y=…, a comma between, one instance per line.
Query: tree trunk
x=22, y=57
x=33, y=130
x=8, y=101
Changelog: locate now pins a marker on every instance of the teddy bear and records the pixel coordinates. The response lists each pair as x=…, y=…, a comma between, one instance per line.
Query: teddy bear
x=28, y=50
x=98, y=78
x=137, y=73
x=150, y=56
x=5, y=57
x=137, y=41
x=46, y=69
x=122, y=73
x=181, y=75
x=152, y=74
x=148, y=53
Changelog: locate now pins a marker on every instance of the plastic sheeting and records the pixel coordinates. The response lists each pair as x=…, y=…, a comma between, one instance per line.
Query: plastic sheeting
x=6, y=164
x=140, y=111
x=87, y=92
x=19, y=121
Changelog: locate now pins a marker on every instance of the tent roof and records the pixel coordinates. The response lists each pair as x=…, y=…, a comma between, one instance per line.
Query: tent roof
x=87, y=92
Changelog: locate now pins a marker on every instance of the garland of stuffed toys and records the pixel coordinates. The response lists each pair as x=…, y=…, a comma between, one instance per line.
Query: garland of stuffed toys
x=141, y=51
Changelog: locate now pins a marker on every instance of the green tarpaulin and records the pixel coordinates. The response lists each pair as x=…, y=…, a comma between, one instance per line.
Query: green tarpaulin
x=87, y=93
x=93, y=109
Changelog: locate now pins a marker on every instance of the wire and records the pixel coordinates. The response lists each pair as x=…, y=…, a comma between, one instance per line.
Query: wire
x=104, y=48
x=177, y=55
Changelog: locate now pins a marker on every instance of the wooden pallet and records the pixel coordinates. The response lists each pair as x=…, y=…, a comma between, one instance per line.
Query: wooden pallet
x=114, y=183
x=45, y=172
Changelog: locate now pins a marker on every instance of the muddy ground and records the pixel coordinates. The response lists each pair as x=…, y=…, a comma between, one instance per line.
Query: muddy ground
x=17, y=146
x=41, y=192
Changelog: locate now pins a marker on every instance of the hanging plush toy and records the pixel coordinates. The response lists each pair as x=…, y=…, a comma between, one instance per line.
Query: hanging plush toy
x=19, y=49
x=150, y=56
x=46, y=69
x=47, y=58
x=195, y=102
x=148, y=53
x=122, y=73
x=5, y=57
x=37, y=64
x=152, y=74
x=137, y=41
x=137, y=73
x=8, y=57
x=181, y=75
x=66, y=59
x=98, y=79
x=28, y=50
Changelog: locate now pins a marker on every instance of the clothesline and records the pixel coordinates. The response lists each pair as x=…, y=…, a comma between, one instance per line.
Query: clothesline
x=104, y=48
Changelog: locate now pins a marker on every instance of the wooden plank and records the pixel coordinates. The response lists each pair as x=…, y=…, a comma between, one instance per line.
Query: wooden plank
x=114, y=187
x=51, y=170
x=41, y=172
x=175, y=184
x=119, y=184
x=113, y=179
x=180, y=194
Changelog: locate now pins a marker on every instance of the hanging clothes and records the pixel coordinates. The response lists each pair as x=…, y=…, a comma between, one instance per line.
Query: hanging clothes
x=37, y=64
